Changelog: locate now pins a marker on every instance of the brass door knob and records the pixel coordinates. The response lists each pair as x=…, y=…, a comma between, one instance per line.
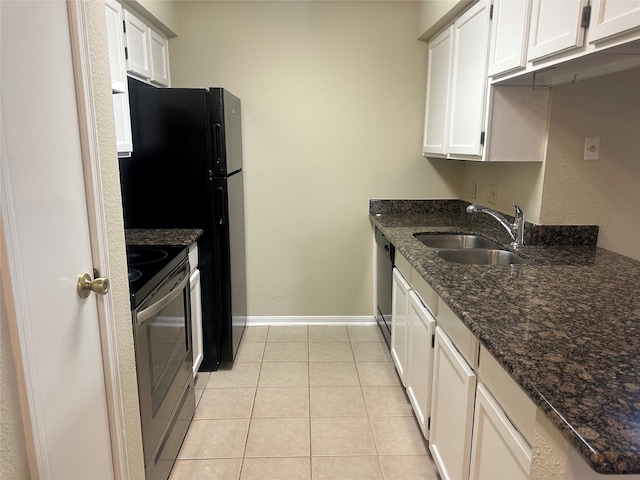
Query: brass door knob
x=86, y=285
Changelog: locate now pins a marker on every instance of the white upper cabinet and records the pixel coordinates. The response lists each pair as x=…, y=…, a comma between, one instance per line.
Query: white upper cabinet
x=556, y=26
x=456, y=86
x=469, y=81
x=159, y=58
x=613, y=17
x=438, y=93
x=115, y=38
x=147, y=51
x=565, y=40
x=138, y=45
x=509, y=35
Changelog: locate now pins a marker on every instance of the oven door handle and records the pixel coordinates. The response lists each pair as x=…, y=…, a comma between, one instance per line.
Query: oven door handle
x=154, y=308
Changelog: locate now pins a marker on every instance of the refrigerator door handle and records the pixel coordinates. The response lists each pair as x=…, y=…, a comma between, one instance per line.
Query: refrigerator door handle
x=217, y=128
x=222, y=207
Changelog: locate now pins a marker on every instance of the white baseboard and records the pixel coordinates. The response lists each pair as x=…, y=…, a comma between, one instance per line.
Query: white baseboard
x=253, y=321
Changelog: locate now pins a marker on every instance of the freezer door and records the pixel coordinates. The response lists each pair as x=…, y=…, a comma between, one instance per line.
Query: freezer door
x=227, y=132
x=165, y=183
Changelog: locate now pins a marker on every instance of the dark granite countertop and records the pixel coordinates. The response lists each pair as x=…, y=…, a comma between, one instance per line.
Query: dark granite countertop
x=565, y=326
x=162, y=236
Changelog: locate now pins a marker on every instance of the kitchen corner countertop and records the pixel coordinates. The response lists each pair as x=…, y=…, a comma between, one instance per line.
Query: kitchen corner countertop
x=565, y=326
x=162, y=236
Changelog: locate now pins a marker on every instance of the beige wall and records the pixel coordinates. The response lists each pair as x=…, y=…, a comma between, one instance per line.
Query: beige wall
x=13, y=449
x=333, y=106
x=434, y=15
x=519, y=183
x=604, y=192
x=161, y=14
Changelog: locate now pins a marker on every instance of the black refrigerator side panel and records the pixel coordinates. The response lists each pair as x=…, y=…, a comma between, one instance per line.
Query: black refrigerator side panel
x=229, y=202
x=227, y=132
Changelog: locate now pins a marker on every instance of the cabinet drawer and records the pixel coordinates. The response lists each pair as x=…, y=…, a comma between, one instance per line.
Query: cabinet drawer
x=427, y=295
x=520, y=410
x=403, y=265
x=466, y=343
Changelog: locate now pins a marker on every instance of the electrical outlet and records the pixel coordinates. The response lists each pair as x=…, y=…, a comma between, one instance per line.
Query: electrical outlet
x=591, y=148
x=474, y=188
x=492, y=195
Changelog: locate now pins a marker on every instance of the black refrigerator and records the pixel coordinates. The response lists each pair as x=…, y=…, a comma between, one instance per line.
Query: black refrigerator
x=186, y=172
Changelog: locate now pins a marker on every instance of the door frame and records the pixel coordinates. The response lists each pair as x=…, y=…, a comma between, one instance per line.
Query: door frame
x=13, y=284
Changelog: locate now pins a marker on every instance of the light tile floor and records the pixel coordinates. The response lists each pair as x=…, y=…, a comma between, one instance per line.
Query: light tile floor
x=305, y=403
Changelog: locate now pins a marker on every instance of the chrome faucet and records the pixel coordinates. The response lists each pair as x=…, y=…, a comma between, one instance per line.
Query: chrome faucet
x=515, y=230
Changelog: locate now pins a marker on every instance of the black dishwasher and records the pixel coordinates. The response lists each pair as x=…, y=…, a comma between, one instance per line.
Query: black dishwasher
x=384, y=279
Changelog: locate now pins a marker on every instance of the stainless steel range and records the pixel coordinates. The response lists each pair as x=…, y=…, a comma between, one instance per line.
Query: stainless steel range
x=160, y=301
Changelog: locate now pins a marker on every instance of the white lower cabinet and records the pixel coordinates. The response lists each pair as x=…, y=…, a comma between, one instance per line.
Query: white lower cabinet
x=399, y=323
x=422, y=327
x=454, y=385
x=498, y=450
x=478, y=421
x=196, y=309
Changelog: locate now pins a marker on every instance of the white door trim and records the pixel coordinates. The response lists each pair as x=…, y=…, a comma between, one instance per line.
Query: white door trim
x=97, y=228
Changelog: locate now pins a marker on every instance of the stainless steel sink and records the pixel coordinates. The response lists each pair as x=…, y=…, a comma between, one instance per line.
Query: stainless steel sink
x=455, y=241
x=481, y=256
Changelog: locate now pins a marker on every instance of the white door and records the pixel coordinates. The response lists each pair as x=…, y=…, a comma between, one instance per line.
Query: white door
x=138, y=48
x=469, y=81
x=159, y=59
x=422, y=327
x=509, y=33
x=499, y=451
x=612, y=17
x=115, y=38
x=399, y=323
x=47, y=245
x=454, y=385
x=436, y=123
x=556, y=26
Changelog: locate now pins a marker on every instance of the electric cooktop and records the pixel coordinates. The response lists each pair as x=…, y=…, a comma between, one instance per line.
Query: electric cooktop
x=148, y=266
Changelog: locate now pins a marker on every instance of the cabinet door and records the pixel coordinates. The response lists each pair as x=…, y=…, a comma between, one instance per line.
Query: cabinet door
x=612, y=17
x=422, y=328
x=196, y=321
x=499, y=451
x=115, y=40
x=555, y=27
x=399, y=323
x=138, y=48
x=159, y=59
x=469, y=81
x=509, y=33
x=436, y=124
x=454, y=385
x=123, y=124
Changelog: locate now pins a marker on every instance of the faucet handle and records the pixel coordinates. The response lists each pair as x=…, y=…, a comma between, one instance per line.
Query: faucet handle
x=519, y=212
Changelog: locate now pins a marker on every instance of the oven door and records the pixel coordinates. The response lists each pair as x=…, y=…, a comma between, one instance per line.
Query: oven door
x=162, y=333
